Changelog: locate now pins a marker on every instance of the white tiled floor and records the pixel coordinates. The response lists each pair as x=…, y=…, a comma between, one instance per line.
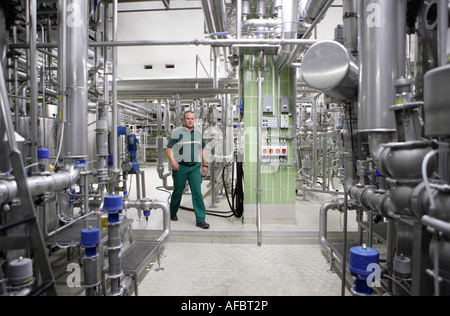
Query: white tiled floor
x=226, y=260
x=199, y=269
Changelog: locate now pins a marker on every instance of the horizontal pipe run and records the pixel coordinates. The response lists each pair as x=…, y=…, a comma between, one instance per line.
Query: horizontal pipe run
x=436, y=224
x=146, y=204
x=40, y=184
x=206, y=42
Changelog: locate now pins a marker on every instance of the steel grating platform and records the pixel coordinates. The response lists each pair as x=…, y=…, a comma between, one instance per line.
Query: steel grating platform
x=338, y=249
x=379, y=230
x=137, y=256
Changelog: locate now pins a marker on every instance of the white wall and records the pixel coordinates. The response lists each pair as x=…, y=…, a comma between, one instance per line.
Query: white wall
x=177, y=25
x=161, y=25
x=325, y=29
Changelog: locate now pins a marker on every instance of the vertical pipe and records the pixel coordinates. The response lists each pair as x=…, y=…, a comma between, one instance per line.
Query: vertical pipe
x=62, y=69
x=344, y=252
x=260, y=79
x=114, y=249
x=16, y=80
x=442, y=32
x=314, y=121
x=86, y=194
x=350, y=26
x=76, y=135
x=238, y=19
x=113, y=205
x=289, y=31
x=114, y=90
x=33, y=81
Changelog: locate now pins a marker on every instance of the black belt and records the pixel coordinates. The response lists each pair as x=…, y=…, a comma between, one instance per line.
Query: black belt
x=188, y=164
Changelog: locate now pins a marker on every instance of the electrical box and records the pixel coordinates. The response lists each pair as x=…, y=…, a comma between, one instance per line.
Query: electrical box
x=284, y=105
x=284, y=121
x=268, y=106
x=275, y=148
x=270, y=122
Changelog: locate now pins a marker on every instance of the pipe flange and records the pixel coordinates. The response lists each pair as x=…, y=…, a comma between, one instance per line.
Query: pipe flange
x=418, y=199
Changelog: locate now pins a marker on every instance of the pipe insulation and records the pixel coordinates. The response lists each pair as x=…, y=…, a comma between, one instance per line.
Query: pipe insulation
x=76, y=132
x=288, y=31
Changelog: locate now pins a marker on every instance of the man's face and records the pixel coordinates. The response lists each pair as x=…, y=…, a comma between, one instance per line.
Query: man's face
x=189, y=120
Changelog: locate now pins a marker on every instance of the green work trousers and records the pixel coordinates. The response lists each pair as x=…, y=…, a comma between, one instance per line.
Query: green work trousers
x=193, y=175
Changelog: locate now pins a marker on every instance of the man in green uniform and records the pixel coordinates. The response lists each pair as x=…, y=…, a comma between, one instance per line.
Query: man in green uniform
x=186, y=153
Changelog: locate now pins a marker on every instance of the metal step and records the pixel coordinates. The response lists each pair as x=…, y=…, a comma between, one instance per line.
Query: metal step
x=137, y=256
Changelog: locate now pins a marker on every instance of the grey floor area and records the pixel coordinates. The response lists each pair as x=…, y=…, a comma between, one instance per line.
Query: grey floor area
x=226, y=260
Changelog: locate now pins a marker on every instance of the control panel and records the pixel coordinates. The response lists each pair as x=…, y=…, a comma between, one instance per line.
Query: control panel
x=276, y=122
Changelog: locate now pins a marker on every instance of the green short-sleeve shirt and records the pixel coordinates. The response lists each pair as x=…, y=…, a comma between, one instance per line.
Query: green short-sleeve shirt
x=186, y=146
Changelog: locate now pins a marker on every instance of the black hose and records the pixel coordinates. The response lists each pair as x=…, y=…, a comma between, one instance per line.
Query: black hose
x=237, y=193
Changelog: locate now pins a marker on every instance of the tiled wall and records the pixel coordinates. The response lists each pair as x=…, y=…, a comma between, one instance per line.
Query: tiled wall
x=278, y=184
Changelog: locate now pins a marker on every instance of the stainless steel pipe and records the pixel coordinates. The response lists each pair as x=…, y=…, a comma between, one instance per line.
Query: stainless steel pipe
x=147, y=204
x=76, y=133
x=324, y=222
x=288, y=31
x=41, y=184
x=259, y=148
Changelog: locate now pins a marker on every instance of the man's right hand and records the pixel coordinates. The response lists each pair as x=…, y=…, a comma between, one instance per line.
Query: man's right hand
x=175, y=165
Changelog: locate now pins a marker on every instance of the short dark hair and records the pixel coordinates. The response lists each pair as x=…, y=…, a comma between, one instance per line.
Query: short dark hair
x=188, y=111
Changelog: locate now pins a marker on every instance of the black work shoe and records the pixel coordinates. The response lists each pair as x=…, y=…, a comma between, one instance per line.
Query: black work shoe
x=203, y=225
x=174, y=217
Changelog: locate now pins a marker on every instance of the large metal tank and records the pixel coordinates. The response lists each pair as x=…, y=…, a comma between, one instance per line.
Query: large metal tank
x=382, y=31
x=328, y=66
x=437, y=102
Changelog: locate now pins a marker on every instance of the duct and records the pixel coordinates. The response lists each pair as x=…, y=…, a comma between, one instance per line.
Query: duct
x=215, y=16
x=312, y=9
x=258, y=23
x=75, y=135
x=295, y=52
x=288, y=31
x=327, y=66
